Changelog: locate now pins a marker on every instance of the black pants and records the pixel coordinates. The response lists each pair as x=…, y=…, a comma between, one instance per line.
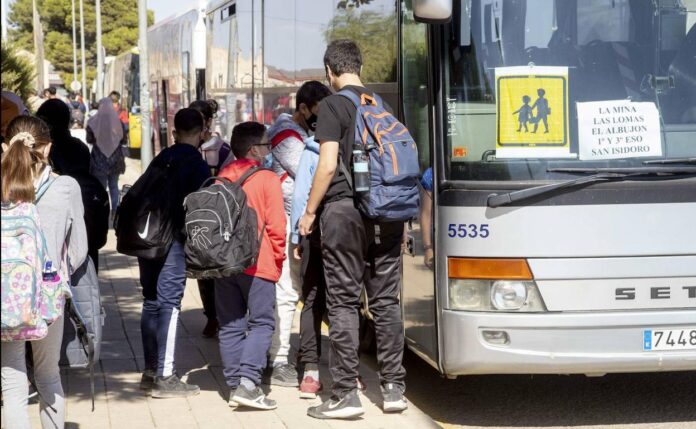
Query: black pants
x=314, y=297
x=360, y=253
x=206, y=287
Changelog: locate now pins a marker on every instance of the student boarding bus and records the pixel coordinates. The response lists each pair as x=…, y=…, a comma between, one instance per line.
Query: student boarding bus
x=557, y=232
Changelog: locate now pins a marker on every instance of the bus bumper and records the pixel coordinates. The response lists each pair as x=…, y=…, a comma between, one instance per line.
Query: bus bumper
x=556, y=343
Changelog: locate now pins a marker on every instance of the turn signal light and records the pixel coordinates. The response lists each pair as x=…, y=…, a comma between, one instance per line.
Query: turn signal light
x=498, y=269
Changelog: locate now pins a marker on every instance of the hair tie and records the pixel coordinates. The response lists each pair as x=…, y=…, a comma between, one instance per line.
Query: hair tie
x=26, y=138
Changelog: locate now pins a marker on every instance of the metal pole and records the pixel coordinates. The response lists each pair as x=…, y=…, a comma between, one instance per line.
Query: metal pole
x=74, y=44
x=4, y=21
x=82, y=47
x=146, y=144
x=38, y=48
x=100, y=54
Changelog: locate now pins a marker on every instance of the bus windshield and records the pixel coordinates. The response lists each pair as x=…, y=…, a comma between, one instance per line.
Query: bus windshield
x=539, y=85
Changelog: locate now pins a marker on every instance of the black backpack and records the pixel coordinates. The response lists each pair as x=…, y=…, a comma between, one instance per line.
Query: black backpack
x=96, y=203
x=144, y=223
x=221, y=229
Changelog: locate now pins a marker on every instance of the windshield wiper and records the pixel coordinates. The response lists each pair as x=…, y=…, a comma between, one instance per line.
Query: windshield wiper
x=600, y=175
x=671, y=161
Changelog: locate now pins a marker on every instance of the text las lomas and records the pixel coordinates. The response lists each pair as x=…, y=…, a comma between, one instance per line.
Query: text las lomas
x=618, y=129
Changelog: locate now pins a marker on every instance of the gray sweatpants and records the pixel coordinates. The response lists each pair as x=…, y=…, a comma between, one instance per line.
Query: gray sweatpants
x=15, y=386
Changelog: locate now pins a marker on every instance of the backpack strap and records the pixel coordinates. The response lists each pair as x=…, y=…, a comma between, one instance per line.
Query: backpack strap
x=362, y=99
x=351, y=95
x=247, y=174
x=346, y=173
x=42, y=190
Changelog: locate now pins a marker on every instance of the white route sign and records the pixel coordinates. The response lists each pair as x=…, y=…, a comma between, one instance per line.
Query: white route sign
x=618, y=129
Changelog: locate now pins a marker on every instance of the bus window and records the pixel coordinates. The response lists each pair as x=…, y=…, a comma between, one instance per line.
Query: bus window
x=612, y=50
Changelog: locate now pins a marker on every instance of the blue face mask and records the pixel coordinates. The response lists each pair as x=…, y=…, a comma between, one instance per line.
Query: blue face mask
x=268, y=160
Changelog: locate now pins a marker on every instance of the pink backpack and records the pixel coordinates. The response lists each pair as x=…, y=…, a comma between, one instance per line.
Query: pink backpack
x=33, y=294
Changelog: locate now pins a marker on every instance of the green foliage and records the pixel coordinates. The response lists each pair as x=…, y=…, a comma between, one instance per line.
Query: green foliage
x=346, y=4
x=119, y=31
x=17, y=73
x=375, y=35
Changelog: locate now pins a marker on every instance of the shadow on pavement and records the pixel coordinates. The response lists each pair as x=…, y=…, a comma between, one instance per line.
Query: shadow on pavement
x=551, y=400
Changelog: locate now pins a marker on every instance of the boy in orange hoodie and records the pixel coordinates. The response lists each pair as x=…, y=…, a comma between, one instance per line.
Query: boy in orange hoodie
x=245, y=340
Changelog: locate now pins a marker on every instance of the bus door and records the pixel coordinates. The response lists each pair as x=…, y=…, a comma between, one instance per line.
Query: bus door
x=154, y=91
x=418, y=277
x=200, y=84
x=162, y=107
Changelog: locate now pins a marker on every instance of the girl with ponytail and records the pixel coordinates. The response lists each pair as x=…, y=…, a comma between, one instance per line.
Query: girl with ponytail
x=26, y=174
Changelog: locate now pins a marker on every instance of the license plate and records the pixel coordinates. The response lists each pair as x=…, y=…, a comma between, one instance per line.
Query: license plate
x=669, y=339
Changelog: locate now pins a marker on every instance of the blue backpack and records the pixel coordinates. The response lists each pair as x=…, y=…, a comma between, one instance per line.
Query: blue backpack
x=393, y=161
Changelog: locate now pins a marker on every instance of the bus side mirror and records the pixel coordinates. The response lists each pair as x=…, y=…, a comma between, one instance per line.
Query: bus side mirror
x=432, y=11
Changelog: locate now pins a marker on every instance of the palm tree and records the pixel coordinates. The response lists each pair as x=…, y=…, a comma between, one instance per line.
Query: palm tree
x=17, y=73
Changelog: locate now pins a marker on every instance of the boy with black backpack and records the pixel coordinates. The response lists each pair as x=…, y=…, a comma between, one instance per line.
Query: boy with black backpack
x=361, y=222
x=245, y=302
x=149, y=225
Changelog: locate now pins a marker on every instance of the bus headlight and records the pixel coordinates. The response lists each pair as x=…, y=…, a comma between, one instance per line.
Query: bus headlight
x=508, y=295
x=492, y=295
x=469, y=295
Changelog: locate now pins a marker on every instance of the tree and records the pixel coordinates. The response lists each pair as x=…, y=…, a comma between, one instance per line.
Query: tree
x=17, y=73
x=375, y=35
x=119, y=30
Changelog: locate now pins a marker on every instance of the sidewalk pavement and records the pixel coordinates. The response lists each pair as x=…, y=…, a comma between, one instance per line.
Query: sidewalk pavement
x=120, y=404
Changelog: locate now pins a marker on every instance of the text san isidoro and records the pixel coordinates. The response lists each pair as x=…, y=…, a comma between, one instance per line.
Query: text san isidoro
x=618, y=129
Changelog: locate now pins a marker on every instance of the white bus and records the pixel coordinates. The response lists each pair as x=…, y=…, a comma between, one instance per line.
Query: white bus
x=567, y=250
x=561, y=138
x=176, y=59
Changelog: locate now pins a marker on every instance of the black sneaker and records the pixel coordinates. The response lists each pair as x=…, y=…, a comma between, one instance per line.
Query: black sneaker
x=173, y=387
x=281, y=375
x=348, y=407
x=252, y=398
x=147, y=381
x=394, y=401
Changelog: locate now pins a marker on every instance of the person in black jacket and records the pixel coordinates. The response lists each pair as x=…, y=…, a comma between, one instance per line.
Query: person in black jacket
x=164, y=280
x=70, y=157
x=68, y=154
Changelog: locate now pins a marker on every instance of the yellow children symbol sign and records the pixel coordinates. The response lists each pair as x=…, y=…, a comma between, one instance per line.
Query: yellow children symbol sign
x=532, y=112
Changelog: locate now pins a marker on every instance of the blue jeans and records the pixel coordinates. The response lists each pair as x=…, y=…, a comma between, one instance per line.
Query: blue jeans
x=110, y=183
x=163, y=284
x=244, y=339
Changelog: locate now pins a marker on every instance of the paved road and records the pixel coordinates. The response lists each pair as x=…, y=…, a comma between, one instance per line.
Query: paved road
x=658, y=400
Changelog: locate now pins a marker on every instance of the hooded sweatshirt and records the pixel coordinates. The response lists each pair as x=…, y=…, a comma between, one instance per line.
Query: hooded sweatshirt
x=303, y=184
x=264, y=196
x=286, y=139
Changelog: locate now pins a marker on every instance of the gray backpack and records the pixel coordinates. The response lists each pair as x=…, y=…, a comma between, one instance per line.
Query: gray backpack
x=84, y=317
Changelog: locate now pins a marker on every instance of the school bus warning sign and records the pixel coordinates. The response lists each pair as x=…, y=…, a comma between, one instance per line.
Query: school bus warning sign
x=532, y=112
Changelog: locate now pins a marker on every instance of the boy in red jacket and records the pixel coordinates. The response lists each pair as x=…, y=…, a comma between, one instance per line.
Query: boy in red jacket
x=245, y=340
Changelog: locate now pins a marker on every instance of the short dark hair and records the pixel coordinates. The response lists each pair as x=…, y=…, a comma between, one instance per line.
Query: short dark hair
x=94, y=105
x=311, y=93
x=51, y=90
x=343, y=56
x=244, y=136
x=204, y=107
x=115, y=96
x=188, y=121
